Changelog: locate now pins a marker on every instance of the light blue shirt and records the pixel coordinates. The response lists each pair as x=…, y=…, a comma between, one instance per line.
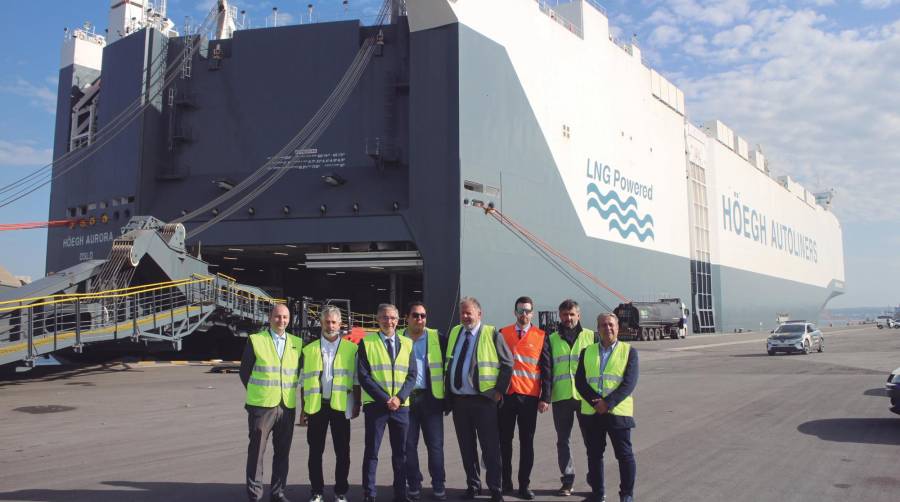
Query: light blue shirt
x=467, y=387
x=420, y=351
x=279, y=342
x=605, y=353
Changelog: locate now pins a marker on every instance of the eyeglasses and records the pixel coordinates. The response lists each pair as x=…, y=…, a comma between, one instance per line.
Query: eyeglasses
x=521, y=311
x=417, y=315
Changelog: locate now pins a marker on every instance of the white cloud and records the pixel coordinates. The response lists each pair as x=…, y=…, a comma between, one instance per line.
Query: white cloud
x=40, y=95
x=822, y=102
x=734, y=37
x=666, y=35
x=718, y=13
x=23, y=154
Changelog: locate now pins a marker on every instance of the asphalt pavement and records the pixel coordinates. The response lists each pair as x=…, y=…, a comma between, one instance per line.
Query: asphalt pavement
x=718, y=420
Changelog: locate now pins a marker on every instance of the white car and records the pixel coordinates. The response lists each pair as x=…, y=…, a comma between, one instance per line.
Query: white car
x=795, y=336
x=886, y=322
x=893, y=389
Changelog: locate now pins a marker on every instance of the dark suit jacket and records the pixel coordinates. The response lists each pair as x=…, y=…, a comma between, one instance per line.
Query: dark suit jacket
x=503, y=354
x=629, y=382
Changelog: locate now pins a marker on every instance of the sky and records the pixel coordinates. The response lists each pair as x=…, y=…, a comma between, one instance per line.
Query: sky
x=814, y=82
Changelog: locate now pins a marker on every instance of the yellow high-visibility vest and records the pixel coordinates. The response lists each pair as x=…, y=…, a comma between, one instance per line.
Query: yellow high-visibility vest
x=435, y=361
x=342, y=370
x=609, y=380
x=565, y=362
x=274, y=380
x=486, y=359
x=389, y=376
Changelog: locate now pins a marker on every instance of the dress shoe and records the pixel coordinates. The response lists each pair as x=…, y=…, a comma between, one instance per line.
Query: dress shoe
x=439, y=494
x=279, y=498
x=317, y=497
x=626, y=498
x=413, y=495
x=340, y=498
x=471, y=493
x=526, y=494
x=496, y=496
x=565, y=490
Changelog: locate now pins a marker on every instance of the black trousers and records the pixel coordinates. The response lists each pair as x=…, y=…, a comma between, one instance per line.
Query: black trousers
x=426, y=414
x=521, y=410
x=316, y=429
x=598, y=428
x=475, y=420
x=377, y=417
x=262, y=422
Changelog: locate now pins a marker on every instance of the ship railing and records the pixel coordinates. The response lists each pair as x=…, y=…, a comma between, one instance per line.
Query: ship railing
x=546, y=7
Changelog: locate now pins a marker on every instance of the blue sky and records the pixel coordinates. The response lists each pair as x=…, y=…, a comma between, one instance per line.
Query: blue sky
x=813, y=81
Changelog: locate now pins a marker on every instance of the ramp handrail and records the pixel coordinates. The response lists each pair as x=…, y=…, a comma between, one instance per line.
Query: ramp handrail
x=165, y=311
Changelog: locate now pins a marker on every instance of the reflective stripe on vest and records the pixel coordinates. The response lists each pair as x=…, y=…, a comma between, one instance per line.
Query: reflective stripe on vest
x=389, y=376
x=486, y=358
x=565, y=362
x=526, y=374
x=610, y=379
x=435, y=361
x=273, y=380
x=342, y=373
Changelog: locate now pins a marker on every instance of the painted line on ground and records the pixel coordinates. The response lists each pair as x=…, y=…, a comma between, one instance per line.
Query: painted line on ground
x=154, y=364
x=755, y=340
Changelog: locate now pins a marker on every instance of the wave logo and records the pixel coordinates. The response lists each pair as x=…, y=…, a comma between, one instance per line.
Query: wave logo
x=622, y=215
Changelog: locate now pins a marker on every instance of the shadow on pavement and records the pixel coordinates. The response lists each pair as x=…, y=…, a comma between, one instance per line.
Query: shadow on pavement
x=881, y=392
x=137, y=491
x=52, y=373
x=855, y=430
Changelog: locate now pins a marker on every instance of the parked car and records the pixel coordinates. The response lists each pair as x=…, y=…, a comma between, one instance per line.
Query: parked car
x=795, y=336
x=893, y=389
x=885, y=321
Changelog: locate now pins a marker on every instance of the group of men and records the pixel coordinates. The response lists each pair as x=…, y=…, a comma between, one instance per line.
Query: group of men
x=407, y=380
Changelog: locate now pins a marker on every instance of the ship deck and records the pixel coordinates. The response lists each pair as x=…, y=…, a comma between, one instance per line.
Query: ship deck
x=717, y=418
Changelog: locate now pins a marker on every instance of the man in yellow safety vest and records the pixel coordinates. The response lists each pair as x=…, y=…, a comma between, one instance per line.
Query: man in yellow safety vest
x=566, y=344
x=606, y=377
x=270, y=371
x=329, y=400
x=387, y=373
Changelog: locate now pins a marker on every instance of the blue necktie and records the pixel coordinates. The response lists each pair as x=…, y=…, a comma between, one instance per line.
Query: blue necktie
x=390, y=348
x=463, y=352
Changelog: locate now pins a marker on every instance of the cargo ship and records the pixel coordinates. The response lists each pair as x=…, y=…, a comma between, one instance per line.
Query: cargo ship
x=466, y=109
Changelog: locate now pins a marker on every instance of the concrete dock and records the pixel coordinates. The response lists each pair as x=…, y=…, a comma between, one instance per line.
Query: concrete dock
x=718, y=420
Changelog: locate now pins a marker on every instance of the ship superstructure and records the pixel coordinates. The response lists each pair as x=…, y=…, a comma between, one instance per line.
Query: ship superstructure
x=536, y=111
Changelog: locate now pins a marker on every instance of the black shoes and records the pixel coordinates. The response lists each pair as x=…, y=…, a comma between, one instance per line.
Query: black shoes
x=439, y=495
x=471, y=493
x=565, y=490
x=526, y=494
x=496, y=496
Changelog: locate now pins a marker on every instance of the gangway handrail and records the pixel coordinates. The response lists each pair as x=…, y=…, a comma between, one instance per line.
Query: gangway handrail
x=89, y=295
x=101, y=295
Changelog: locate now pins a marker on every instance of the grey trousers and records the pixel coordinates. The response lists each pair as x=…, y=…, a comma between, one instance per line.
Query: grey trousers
x=279, y=422
x=564, y=414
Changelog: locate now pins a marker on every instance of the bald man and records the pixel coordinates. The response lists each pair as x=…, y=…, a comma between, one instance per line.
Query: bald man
x=270, y=371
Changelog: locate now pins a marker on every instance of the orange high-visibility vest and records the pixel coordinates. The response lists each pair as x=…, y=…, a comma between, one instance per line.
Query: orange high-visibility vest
x=526, y=374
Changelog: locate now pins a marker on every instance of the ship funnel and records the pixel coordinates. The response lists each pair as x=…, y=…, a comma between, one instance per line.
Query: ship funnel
x=125, y=18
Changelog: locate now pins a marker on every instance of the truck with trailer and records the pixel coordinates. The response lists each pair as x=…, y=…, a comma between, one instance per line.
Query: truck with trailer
x=652, y=320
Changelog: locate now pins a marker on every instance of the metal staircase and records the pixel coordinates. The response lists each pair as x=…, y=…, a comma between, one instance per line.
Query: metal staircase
x=94, y=301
